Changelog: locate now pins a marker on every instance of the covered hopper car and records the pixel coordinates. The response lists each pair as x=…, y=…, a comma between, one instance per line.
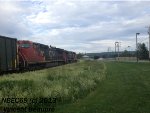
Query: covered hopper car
x=8, y=54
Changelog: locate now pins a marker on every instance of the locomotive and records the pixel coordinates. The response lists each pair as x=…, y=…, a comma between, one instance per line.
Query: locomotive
x=24, y=55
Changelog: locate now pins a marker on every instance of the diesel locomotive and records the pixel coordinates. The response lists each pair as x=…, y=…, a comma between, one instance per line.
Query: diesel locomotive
x=25, y=55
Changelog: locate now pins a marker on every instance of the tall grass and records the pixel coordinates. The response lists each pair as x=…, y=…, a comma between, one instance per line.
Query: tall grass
x=67, y=83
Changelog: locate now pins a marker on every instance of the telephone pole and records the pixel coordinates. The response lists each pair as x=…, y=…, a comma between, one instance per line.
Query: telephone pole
x=117, y=45
x=149, y=41
x=109, y=50
x=118, y=49
x=137, y=47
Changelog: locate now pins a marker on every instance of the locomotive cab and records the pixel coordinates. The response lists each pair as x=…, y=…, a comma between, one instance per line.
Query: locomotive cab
x=29, y=53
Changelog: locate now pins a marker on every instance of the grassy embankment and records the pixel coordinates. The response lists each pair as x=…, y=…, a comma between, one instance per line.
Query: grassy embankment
x=67, y=83
x=126, y=89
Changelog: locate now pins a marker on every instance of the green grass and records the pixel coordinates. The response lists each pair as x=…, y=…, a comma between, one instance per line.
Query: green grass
x=87, y=87
x=67, y=83
x=126, y=89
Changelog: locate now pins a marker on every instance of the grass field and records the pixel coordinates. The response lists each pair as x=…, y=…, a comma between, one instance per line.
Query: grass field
x=126, y=89
x=67, y=83
x=87, y=87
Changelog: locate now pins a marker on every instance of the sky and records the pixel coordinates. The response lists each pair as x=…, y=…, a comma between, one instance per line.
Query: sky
x=77, y=25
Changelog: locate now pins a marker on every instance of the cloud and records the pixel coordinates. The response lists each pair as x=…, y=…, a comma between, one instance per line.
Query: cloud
x=81, y=26
x=11, y=21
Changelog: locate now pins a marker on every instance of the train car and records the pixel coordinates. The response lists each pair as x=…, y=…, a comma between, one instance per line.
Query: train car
x=8, y=54
x=65, y=56
x=45, y=49
x=58, y=55
x=30, y=54
x=24, y=54
x=74, y=57
x=70, y=56
x=33, y=55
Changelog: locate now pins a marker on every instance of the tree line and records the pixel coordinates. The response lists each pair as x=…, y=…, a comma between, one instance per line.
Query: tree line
x=142, y=53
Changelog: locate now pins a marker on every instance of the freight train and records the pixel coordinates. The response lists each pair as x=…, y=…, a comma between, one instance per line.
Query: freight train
x=26, y=55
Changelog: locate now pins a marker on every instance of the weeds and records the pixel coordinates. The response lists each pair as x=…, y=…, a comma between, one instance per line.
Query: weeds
x=67, y=83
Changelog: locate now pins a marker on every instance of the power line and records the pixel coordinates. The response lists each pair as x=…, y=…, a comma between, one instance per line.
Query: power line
x=145, y=38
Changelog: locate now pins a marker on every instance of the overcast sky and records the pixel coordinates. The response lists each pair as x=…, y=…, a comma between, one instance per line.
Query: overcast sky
x=76, y=25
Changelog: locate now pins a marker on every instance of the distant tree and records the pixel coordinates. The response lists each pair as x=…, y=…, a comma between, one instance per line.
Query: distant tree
x=125, y=54
x=96, y=57
x=142, y=51
x=79, y=55
x=104, y=56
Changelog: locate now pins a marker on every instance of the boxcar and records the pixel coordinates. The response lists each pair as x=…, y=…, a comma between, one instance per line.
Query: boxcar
x=8, y=54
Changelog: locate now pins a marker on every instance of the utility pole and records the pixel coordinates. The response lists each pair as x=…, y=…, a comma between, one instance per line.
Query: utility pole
x=109, y=49
x=149, y=41
x=117, y=47
x=129, y=50
x=137, y=47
